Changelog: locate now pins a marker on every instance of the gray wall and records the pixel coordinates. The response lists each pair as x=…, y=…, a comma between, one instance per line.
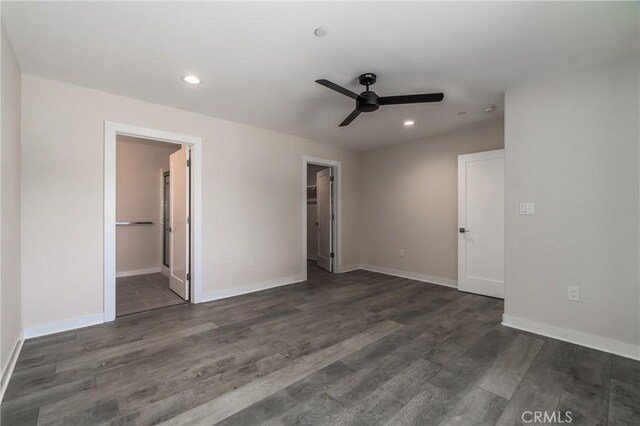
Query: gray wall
x=10, y=171
x=572, y=149
x=409, y=201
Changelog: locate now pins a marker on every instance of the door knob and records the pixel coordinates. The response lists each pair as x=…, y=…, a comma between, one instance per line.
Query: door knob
x=463, y=230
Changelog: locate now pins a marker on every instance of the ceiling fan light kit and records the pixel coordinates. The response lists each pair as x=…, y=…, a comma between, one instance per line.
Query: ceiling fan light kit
x=369, y=101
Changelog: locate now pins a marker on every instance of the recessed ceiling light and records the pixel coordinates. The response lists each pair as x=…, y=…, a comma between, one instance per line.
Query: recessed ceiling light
x=191, y=79
x=321, y=32
x=489, y=108
x=409, y=123
x=462, y=112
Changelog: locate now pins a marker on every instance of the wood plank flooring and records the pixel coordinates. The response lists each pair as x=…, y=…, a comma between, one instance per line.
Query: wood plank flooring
x=352, y=349
x=140, y=293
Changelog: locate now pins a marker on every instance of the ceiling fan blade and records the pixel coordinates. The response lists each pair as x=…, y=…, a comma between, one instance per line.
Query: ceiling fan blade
x=339, y=89
x=350, y=118
x=411, y=99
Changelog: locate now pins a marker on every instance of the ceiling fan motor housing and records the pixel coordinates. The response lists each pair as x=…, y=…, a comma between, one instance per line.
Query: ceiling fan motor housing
x=367, y=79
x=367, y=102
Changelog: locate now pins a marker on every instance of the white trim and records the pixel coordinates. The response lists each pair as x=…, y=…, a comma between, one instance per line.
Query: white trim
x=63, y=325
x=112, y=129
x=350, y=268
x=251, y=288
x=573, y=336
x=483, y=155
x=337, y=198
x=447, y=282
x=13, y=359
x=138, y=272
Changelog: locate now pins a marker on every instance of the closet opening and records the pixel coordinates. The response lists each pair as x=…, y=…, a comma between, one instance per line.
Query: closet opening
x=321, y=217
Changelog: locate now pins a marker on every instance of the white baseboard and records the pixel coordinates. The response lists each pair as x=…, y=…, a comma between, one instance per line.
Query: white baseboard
x=138, y=272
x=349, y=268
x=8, y=370
x=63, y=325
x=250, y=288
x=412, y=275
x=572, y=336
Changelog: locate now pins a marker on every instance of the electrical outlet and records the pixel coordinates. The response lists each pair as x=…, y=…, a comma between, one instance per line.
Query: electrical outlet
x=574, y=293
x=401, y=252
x=252, y=261
x=527, y=208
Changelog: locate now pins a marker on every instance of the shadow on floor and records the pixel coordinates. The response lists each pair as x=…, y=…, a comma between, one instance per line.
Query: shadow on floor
x=314, y=272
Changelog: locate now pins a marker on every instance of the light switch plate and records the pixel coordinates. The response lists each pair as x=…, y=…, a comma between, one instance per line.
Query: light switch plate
x=401, y=252
x=527, y=208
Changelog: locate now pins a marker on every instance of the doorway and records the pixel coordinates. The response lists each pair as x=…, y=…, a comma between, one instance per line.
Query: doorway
x=165, y=222
x=321, y=217
x=481, y=223
x=152, y=212
x=185, y=189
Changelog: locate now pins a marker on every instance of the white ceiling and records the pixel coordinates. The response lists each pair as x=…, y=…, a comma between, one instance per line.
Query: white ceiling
x=258, y=61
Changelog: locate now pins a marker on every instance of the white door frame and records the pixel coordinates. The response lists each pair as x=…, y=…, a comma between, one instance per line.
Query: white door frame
x=337, y=207
x=111, y=130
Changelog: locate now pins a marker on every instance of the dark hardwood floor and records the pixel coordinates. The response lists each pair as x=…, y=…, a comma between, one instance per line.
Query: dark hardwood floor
x=359, y=348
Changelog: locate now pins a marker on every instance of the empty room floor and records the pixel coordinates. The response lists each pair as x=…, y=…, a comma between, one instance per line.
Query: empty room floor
x=357, y=348
x=144, y=292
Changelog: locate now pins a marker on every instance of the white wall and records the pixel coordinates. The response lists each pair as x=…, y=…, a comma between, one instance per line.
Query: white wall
x=409, y=201
x=572, y=148
x=139, y=192
x=10, y=317
x=252, y=198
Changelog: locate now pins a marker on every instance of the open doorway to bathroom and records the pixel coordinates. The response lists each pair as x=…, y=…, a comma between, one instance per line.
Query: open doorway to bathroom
x=152, y=224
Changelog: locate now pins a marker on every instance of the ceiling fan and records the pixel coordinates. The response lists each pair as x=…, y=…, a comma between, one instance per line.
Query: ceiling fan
x=368, y=101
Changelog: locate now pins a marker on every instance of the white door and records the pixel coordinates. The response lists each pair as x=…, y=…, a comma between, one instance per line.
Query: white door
x=324, y=183
x=179, y=222
x=481, y=223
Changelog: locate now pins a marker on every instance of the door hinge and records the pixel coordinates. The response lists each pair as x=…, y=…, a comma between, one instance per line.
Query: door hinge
x=189, y=162
x=331, y=179
x=332, y=255
x=188, y=277
x=333, y=217
x=188, y=220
